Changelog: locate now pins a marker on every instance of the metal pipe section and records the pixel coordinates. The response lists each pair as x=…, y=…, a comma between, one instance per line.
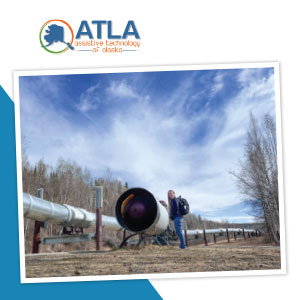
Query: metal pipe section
x=63, y=214
x=137, y=210
x=219, y=230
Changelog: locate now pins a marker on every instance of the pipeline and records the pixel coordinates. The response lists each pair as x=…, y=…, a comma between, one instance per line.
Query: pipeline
x=137, y=210
x=219, y=230
x=62, y=214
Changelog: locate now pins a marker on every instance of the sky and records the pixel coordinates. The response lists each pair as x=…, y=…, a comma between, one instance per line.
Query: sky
x=160, y=130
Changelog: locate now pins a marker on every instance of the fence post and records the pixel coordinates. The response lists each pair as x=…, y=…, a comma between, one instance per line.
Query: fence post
x=227, y=233
x=234, y=235
x=37, y=228
x=204, y=236
x=124, y=237
x=185, y=234
x=215, y=238
x=244, y=234
x=99, y=204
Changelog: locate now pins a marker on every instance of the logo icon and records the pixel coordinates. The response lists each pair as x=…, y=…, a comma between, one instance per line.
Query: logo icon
x=56, y=36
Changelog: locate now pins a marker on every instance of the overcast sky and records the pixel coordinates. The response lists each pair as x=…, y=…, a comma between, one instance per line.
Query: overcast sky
x=180, y=130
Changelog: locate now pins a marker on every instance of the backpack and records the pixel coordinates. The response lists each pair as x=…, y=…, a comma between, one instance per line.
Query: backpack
x=184, y=207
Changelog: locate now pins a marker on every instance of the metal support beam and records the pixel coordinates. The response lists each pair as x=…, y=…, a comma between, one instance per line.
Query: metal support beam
x=204, y=236
x=185, y=235
x=99, y=202
x=227, y=233
x=215, y=238
x=37, y=228
x=36, y=237
x=67, y=239
x=124, y=237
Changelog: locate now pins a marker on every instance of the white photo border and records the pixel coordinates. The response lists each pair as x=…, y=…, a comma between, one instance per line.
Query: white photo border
x=16, y=100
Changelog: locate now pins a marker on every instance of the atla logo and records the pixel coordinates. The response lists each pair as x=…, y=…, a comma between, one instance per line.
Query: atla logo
x=57, y=36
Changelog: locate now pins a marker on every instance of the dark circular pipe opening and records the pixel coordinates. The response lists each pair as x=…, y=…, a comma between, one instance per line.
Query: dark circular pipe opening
x=136, y=209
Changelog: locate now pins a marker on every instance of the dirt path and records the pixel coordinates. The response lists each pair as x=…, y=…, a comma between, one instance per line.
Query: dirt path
x=238, y=255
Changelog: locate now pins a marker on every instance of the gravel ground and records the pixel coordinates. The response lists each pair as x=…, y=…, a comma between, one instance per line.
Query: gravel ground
x=251, y=254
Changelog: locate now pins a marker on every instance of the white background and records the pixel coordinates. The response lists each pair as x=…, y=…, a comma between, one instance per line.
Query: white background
x=179, y=33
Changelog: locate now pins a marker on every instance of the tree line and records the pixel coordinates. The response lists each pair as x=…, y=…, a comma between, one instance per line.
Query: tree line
x=69, y=183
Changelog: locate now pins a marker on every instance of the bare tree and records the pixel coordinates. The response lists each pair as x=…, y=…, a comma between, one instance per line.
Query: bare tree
x=257, y=178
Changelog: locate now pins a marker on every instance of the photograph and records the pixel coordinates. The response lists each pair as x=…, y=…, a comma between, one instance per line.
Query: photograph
x=149, y=172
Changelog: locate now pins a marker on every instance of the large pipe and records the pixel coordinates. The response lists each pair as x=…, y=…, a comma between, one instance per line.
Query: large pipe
x=137, y=210
x=219, y=230
x=62, y=214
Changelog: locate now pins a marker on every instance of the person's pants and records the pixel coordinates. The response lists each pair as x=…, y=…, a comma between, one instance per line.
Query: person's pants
x=178, y=229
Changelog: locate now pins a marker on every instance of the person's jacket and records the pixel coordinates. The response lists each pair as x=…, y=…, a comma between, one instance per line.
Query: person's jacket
x=174, y=212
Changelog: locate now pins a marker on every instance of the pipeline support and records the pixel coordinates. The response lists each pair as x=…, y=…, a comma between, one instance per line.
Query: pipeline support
x=99, y=201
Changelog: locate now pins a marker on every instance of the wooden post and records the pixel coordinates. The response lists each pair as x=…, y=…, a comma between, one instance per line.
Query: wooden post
x=124, y=237
x=186, y=238
x=185, y=234
x=227, y=233
x=204, y=237
x=99, y=203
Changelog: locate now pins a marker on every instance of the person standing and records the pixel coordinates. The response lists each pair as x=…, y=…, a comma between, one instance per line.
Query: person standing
x=176, y=217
